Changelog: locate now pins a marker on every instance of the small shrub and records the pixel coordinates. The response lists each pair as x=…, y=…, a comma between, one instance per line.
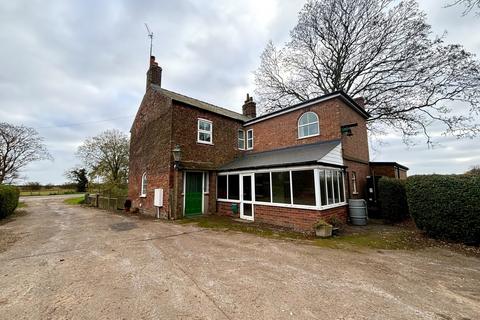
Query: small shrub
x=8, y=200
x=392, y=198
x=446, y=206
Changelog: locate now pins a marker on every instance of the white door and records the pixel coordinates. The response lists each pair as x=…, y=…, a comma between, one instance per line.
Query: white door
x=246, y=197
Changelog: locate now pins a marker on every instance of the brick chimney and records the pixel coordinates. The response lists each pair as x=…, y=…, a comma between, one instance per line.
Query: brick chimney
x=360, y=101
x=154, y=73
x=249, y=107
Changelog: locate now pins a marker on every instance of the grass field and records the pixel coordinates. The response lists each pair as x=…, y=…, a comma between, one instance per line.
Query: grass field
x=46, y=192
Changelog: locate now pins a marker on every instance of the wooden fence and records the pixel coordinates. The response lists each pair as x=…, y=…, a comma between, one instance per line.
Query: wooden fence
x=106, y=203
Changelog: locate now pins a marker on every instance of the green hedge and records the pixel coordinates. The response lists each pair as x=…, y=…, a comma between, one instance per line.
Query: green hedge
x=446, y=206
x=8, y=200
x=392, y=199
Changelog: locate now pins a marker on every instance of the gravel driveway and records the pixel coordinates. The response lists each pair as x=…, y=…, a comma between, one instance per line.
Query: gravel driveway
x=77, y=263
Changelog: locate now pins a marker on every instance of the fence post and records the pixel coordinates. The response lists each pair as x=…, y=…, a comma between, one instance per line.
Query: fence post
x=96, y=201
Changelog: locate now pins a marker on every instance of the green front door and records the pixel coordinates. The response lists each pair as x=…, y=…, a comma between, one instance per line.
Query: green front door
x=193, y=193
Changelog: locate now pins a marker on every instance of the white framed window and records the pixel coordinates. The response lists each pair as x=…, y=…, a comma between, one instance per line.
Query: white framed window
x=354, y=182
x=308, y=125
x=241, y=140
x=301, y=187
x=205, y=130
x=143, y=187
x=250, y=139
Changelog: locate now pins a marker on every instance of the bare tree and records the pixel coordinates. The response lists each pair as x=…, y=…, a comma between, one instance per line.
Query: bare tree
x=19, y=146
x=469, y=5
x=383, y=51
x=106, y=156
x=474, y=170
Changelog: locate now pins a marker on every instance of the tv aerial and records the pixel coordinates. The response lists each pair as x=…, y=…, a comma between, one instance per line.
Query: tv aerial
x=150, y=35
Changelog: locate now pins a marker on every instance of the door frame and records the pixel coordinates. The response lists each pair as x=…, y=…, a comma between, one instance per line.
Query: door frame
x=242, y=201
x=184, y=192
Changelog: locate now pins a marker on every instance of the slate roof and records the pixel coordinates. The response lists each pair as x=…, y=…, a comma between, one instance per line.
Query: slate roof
x=201, y=104
x=303, y=154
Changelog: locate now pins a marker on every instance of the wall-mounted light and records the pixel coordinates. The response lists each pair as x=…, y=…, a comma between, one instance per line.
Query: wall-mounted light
x=177, y=155
x=347, y=129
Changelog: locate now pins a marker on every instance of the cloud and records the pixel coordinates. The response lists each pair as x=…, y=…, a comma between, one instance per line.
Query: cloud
x=69, y=62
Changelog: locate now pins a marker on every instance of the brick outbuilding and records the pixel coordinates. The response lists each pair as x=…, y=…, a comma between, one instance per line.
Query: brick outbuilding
x=289, y=168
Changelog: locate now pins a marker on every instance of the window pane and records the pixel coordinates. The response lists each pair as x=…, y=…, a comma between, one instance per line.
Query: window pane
x=241, y=139
x=250, y=134
x=303, y=119
x=312, y=129
x=340, y=179
x=312, y=117
x=335, y=186
x=250, y=144
x=323, y=188
x=203, y=125
x=233, y=187
x=303, y=184
x=281, y=187
x=222, y=187
x=329, y=187
x=262, y=187
x=303, y=131
x=204, y=137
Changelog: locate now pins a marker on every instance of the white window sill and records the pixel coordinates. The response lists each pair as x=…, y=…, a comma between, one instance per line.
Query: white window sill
x=205, y=142
x=310, y=136
x=143, y=196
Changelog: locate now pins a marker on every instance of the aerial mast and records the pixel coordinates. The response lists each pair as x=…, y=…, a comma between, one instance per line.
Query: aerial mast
x=150, y=35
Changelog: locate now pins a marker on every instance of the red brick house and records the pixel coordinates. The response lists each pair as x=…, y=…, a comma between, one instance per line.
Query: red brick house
x=289, y=168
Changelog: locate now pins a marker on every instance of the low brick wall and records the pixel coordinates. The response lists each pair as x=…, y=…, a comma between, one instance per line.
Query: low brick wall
x=301, y=220
x=225, y=209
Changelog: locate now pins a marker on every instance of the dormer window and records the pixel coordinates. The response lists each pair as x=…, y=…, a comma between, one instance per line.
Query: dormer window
x=205, y=129
x=308, y=125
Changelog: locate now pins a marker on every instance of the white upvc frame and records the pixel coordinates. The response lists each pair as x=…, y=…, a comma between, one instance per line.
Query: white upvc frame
x=316, y=168
x=248, y=202
x=244, y=141
x=248, y=147
x=199, y=131
x=143, y=186
x=317, y=122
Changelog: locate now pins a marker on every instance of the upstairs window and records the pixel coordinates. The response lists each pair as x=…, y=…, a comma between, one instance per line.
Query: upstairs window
x=143, y=187
x=250, y=139
x=308, y=125
x=205, y=129
x=241, y=140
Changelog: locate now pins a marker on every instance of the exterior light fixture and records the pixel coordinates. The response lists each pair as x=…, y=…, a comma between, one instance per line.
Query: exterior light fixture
x=177, y=155
x=347, y=129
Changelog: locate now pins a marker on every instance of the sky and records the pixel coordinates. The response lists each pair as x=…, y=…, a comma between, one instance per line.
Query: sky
x=72, y=69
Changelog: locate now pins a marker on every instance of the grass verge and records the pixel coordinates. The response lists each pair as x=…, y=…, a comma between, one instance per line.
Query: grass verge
x=375, y=236
x=74, y=201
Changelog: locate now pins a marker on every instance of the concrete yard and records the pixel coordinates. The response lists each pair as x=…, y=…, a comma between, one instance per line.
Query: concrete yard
x=69, y=262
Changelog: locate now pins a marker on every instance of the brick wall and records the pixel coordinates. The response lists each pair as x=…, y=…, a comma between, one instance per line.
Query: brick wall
x=296, y=219
x=282, y=131
x=362, y=170
x=301, y=220
x=150, y=137
x=204, y=156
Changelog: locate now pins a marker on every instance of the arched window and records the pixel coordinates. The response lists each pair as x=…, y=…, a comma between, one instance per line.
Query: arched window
x=143, y=187
x=308, y=125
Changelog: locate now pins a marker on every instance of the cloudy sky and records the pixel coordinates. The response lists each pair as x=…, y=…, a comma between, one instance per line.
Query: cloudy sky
x=72, y=69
